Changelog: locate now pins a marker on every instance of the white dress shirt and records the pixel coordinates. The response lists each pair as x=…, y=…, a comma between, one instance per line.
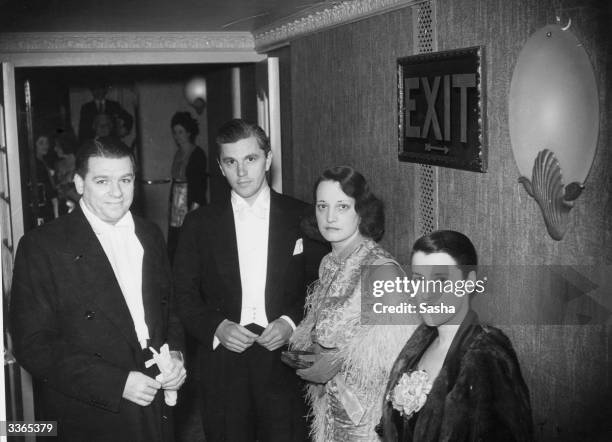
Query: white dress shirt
x=125, y=254
x=252, y=224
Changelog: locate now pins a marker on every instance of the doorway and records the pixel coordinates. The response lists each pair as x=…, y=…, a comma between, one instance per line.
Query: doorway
x=54, y=99
x=151, y=94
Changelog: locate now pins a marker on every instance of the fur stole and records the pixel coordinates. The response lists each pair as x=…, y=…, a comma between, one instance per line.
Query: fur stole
x=479, y=394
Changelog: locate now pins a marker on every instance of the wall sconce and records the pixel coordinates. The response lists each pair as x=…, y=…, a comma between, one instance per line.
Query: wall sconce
x=554, y=121
x=195, y=93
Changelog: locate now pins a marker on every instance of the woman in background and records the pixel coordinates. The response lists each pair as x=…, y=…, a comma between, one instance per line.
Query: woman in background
x=188, y=190
x=347, y=381
x=455, y=379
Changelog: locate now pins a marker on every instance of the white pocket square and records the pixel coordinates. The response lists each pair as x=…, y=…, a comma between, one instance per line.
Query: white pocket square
x=299, y=247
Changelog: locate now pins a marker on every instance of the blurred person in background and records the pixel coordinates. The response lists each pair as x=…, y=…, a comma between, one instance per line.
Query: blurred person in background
x=65, y=149
x=189, y=175
x=48, y=205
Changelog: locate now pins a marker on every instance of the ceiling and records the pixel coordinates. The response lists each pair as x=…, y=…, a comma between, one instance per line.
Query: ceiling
x=150, y=15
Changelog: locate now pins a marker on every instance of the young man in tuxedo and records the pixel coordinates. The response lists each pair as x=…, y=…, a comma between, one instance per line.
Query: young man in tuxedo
x=91, y=293
x=241, y=270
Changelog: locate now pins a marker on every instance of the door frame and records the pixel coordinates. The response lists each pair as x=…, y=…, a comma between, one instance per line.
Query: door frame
x=57, y=49
x=14, y=198
x=48, y=49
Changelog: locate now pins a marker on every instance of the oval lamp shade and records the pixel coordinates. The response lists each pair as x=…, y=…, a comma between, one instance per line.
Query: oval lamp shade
x=554, y=104
x=554, y=121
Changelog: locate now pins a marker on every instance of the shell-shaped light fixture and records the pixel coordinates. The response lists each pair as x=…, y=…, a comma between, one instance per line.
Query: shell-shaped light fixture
x=546, y=187
x=554, y=121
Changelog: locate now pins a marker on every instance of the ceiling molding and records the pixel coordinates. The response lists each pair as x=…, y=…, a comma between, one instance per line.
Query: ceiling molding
x=125, y=41
x=338, y=13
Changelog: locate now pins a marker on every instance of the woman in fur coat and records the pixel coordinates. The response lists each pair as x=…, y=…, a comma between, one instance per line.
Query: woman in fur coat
x=455, y=379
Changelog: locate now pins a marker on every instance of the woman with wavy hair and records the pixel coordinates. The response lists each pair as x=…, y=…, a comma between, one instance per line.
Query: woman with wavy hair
x=347, y=381
x=188, y=190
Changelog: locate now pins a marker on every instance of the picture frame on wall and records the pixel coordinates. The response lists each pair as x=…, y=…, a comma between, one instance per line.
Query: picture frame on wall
x=442, y=109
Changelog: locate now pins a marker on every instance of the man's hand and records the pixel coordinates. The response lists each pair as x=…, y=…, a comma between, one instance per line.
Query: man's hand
x=276, y=334
x=322, y=371
x=140, y=388
x=234, y=336
x=174, y=379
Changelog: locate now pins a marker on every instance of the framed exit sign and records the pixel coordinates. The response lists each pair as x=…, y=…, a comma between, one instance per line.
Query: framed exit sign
x=441, y=98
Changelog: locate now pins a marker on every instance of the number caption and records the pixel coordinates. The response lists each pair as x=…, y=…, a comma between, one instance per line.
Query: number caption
x=23, y=428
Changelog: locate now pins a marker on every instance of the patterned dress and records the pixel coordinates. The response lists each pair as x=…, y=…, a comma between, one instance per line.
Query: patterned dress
x=348, y=407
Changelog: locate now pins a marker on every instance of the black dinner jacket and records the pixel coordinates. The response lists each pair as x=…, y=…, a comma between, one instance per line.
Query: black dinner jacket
x=73, y=332
x=207, y=271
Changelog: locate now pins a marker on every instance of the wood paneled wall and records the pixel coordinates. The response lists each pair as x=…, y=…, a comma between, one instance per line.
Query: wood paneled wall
x=344, y=101
x=344, y=98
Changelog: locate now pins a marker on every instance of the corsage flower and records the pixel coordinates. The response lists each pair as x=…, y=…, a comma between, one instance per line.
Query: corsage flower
x=410, y=392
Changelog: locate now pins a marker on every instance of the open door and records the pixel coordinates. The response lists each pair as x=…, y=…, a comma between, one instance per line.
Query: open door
x=267, y=79
x=15, y=383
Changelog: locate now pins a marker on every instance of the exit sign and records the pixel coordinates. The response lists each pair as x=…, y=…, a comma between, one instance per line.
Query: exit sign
x=442, y=109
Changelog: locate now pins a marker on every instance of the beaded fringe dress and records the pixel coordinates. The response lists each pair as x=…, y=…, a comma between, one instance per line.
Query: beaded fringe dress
x=348, y=407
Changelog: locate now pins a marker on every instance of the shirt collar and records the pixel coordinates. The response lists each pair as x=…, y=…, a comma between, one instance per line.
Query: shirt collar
x=100, y=227
x=260, y=206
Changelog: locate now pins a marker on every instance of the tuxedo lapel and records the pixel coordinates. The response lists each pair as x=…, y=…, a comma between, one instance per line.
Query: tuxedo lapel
x=281, y=240
x=95, y=276
x=225, y=253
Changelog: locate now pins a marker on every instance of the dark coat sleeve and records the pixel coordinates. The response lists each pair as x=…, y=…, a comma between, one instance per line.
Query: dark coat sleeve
x=175, y=336
x=314, y=251
x=490, y=400
x=39, y=346
x=294, y=290
x=196, y=177
x=197, y=315
x=303, y=269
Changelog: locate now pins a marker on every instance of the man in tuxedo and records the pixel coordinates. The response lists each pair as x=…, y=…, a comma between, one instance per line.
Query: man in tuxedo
x=241, y=269
x=99, y=105
x=91, y=294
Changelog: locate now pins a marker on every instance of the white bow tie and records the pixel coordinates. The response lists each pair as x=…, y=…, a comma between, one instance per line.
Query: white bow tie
x=244, y=210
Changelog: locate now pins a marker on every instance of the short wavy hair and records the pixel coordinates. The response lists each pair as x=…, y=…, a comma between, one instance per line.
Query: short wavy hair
x=453, y=243
x=189, y=123
x=369, y=208
x=238, y=129
x=104, y=147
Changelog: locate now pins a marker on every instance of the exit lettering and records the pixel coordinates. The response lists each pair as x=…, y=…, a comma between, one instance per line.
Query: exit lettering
x=431, y=91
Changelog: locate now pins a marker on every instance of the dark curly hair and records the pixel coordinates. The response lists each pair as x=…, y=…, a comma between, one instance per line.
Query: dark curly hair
x=188, y=122
x=453, y=243
x=369, y=208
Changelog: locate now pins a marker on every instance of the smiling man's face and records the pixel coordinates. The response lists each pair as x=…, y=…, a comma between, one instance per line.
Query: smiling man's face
x=108, y=187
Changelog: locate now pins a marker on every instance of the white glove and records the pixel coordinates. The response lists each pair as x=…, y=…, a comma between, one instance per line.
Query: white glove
x=165, y=363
